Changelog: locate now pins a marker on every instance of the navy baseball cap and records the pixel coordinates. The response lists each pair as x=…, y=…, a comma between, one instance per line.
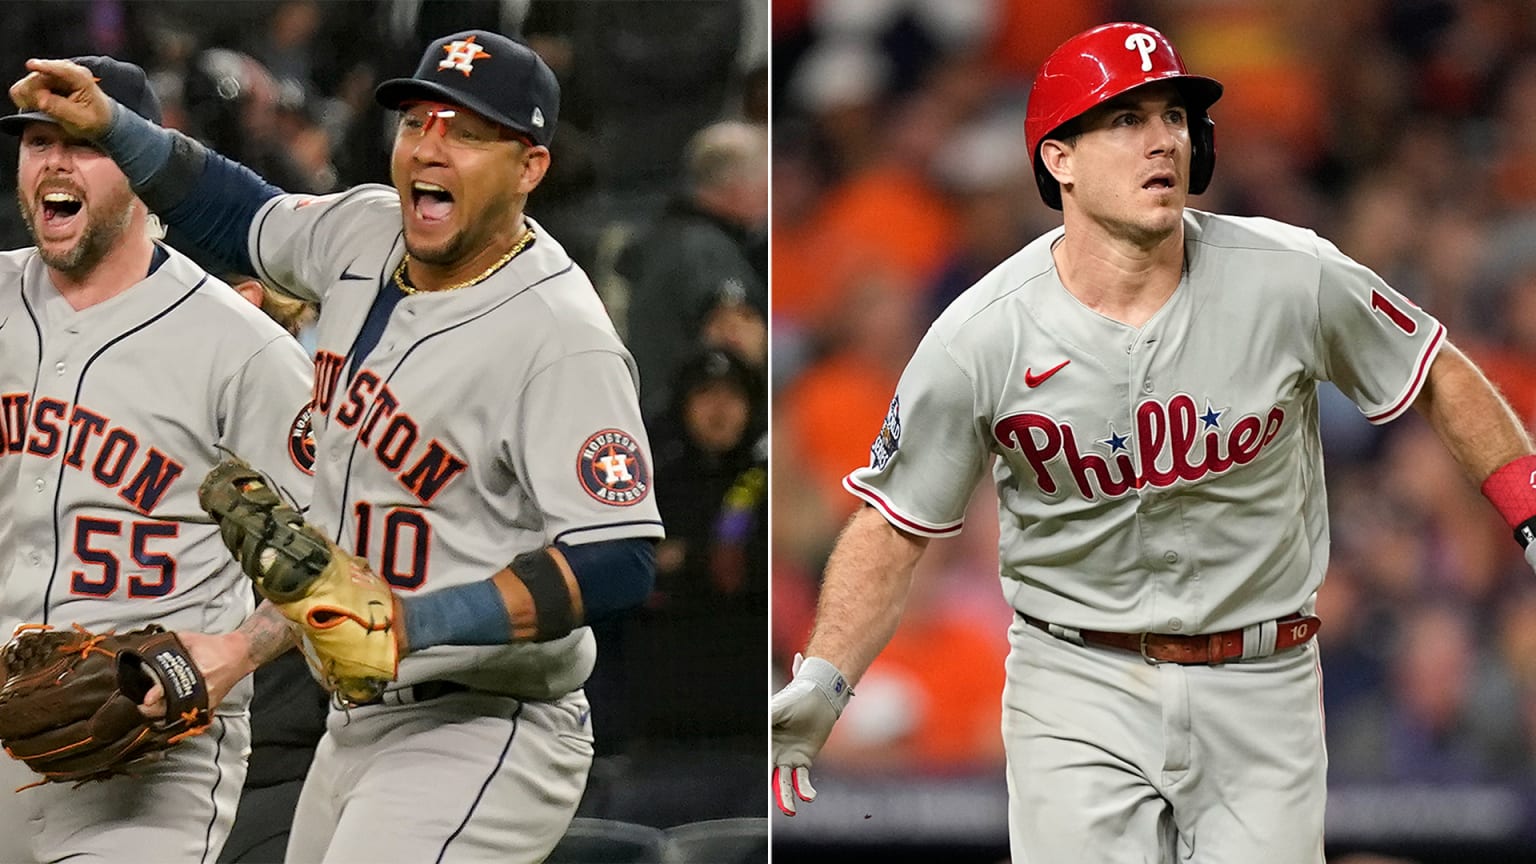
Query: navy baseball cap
x=122, y=81
x=501, y=80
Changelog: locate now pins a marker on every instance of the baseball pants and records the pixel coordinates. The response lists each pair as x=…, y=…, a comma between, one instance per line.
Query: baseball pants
x=179, y=809
x=465, y=777
x=1113, y=759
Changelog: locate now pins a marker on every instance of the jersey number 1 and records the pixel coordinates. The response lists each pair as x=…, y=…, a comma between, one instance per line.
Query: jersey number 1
x=1391, y=312
x=397, y=522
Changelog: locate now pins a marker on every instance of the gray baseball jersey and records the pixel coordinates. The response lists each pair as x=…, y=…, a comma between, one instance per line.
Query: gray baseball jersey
x=110, y=417
x=487, y=422
x=1167, y=478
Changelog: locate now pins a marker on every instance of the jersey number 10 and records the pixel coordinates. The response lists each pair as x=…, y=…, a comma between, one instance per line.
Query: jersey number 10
x=398, y=522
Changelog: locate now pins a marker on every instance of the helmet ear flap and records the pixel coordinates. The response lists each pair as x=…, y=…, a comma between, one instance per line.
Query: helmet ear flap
x=1202, y=153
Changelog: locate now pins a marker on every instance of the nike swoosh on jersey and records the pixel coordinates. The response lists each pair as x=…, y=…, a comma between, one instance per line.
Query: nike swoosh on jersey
x=1032, y=380
x=347, y=276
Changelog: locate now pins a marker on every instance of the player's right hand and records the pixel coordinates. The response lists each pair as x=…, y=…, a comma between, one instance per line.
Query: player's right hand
x=802, y=715
x=69, y=93
x=222, y=660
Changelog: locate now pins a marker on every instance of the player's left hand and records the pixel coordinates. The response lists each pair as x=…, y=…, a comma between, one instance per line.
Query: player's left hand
x=69, y=93
x=222, y=660
x=802, y=715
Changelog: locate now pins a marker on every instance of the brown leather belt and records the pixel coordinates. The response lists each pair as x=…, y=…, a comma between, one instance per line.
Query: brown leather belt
x=1205, y=649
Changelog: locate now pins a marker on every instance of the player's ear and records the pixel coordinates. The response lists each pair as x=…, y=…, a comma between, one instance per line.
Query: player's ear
x=534, y=162
x=1056, y=156
x=250, y=289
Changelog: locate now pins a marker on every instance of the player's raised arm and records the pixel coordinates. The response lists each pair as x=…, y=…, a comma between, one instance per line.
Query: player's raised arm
x=211, y=199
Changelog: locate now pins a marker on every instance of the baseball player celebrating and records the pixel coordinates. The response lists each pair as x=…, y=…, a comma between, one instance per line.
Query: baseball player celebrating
x=125, y=370
x=1142, y=384
x=473, y=406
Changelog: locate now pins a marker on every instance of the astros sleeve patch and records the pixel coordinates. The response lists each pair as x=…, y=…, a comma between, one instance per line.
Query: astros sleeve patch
x=301, y=440
x=611, y=467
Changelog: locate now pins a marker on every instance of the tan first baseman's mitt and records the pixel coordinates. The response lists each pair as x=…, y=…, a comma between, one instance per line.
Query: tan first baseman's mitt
x=345, y=613
x=69, y=707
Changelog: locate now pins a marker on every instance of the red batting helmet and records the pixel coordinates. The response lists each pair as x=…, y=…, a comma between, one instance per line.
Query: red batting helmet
x=1099, y=64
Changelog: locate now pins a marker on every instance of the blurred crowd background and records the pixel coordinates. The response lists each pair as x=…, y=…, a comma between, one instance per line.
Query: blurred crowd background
x=658, y=189
x=1404, y=130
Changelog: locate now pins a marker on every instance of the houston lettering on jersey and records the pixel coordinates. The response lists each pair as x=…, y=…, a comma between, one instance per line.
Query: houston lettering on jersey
x=91, y=443
x=1174, y=441
x=393, y=435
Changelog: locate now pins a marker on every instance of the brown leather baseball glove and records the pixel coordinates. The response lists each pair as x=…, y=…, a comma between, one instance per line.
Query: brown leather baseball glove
x=69, y=707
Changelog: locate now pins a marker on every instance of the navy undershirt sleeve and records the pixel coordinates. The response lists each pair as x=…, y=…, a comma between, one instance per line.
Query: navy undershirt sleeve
x=614, y=575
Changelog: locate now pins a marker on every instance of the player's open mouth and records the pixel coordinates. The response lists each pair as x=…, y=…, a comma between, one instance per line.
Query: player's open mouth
x=431, y=202
x=1161, y=182
x=59, y=207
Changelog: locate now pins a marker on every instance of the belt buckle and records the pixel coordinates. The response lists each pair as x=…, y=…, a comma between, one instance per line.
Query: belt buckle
x=1151, y=661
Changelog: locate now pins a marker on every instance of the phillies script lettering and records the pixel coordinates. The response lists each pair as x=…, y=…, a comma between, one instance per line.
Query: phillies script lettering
x=1168, y=438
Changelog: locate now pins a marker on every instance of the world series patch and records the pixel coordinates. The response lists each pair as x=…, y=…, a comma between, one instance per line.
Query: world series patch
x=301, y=441
x=612, y=470
x=889, y=439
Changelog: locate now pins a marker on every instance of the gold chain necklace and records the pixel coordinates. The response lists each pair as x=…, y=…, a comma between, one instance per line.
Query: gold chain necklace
x=519, y=246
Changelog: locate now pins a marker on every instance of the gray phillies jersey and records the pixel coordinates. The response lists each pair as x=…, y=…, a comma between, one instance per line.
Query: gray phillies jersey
x=1167, y=478
x=111, y=416
x=487, y=422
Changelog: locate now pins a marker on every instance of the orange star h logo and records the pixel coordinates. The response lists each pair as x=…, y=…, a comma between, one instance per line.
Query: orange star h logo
x=462, y=54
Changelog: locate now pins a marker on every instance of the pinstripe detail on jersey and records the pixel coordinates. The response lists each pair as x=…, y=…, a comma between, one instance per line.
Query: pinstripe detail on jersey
x=58, y=486
x=495, y=769
x=267, y=208
x=37, y=328
x=351, y=362
x=888, y=510
x=213, y=797
x=1420, y=372
x=346, y=486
